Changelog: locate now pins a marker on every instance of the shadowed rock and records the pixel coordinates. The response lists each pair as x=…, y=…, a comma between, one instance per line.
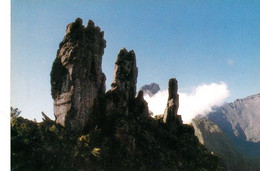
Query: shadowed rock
x=171, y=118
x=123, y=89
x=141, y=106
x=77, y=80
x=125, y=74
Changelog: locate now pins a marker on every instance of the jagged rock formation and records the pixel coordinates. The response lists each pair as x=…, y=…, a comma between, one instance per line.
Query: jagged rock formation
x=151, y=89
x=120, y=99
x=170, y=117
x=125, y=74
x=78, y=83
x=95, y=130
x=77, y=80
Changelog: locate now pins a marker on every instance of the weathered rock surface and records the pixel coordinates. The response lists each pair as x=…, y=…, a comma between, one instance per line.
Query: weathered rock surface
x=78, y=83
x=77, y=80
x=120, y=99
x=171, y=118
x=141, y=106
x=151, y=89
x=125, y=74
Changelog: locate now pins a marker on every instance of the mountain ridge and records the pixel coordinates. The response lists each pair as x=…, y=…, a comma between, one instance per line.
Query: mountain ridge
x=235, y=120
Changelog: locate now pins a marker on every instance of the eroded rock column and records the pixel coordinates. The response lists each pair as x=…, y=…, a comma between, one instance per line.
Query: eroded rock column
x=123, y=89
x=77, y=80
x=171, y=118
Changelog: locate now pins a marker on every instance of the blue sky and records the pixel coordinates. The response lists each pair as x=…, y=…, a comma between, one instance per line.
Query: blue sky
x=194, y=41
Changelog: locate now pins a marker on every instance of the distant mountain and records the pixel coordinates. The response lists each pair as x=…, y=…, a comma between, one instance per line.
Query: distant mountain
x=221, y=145
x=150, y=89
x=244, y=117
x=232, y=132
x=240, y=121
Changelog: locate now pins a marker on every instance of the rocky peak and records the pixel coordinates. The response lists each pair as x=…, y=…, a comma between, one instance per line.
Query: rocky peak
x=78, y=83
x=77, y=80
x=151, y=89
x=173, y=88
x=171, y=118
x=125, y=73
x=74, y=29
x=122, y=94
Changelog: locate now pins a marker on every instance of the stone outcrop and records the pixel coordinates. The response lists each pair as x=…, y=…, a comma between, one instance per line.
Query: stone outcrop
x=78, y=83
x=120, y=98
x=171, y=118
x=77, y=80
x=125, y=74
x=141, y=106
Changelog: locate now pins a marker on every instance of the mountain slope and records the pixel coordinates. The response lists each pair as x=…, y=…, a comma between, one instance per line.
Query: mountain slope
x=220, y=144
x=244, y=117
x=240, y=121
x=232, y=132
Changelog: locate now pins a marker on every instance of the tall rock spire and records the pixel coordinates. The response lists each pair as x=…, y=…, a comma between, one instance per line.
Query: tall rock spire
x=171, y=118
x=123, y=91
x=77, y=80
x=125, y=73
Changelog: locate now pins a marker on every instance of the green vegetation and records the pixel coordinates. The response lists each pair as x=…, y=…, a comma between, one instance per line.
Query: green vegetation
x=217, y=141
x=123, y=143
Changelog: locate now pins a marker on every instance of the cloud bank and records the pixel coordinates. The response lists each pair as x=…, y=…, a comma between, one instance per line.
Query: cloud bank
x=199, y=102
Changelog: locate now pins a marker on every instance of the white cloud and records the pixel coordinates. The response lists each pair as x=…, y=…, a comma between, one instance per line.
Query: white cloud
x=157, y=103
x=199, y=101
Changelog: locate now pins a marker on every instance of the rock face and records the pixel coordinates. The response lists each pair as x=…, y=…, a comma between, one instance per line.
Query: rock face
x=77, y=80
x=239, y=123
x=171, y=118
x=141, y=105
x=121, y=97
x=151, y=89
x=244, y=117
x=78, y=83
x=125, y=74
